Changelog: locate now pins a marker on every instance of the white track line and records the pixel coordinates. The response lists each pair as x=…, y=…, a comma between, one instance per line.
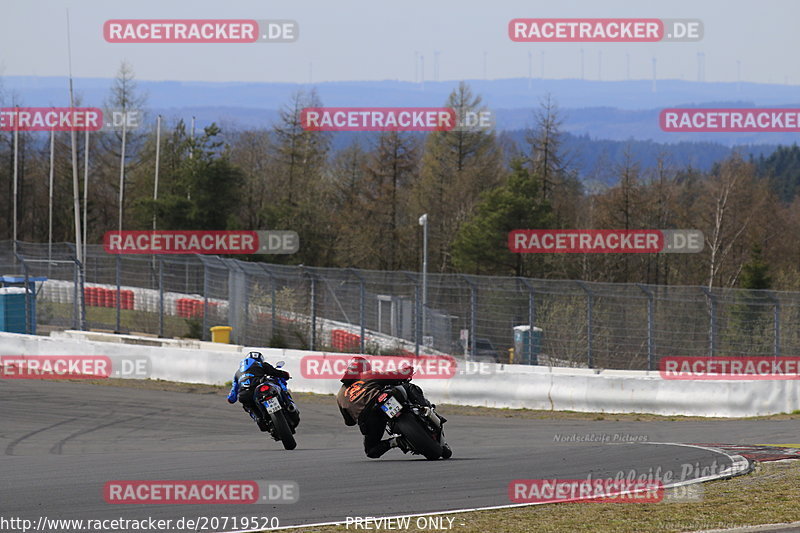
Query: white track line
x=740, y=466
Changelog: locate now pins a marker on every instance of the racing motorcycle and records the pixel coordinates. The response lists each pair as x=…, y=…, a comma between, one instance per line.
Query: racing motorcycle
x=272, y=395
x=418, y=424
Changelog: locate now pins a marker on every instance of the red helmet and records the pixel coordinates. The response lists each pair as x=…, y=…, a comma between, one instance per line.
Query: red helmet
x=355, y=368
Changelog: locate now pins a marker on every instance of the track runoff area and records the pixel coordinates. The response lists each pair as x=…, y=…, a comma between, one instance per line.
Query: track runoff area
x=153, y=456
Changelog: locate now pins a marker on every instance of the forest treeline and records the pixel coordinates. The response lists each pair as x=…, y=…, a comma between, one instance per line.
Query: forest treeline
x=359, y=206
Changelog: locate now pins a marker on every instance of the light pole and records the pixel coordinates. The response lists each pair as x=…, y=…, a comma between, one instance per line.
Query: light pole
x=122, y=167
x=423, y=221
x=16, y=178
x=158, y=154
x=76, y=199
x=85, y=194
x=50, y=208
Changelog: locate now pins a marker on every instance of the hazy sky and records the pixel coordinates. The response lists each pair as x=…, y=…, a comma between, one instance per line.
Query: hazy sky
x=377, y=40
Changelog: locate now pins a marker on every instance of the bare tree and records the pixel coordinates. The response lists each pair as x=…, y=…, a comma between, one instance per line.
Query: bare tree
x=729, y=194
x=349, y=176
x=299, y=154
x=125, y=100
x=251, y=151
x=544, y=147
x=394, y=164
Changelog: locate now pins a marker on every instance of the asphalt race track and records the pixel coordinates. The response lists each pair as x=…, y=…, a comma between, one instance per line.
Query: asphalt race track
x=62, y=441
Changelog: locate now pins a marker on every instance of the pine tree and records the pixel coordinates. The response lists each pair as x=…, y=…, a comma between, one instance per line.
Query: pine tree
x=481, y=245
x=457, y=166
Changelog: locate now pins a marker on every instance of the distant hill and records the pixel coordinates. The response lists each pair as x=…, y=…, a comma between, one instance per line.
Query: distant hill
x=498, y=94
x=601, y=118
x=618, y=110
x=596, y=160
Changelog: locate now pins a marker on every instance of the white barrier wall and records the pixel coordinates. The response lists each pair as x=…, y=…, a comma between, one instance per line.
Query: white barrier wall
x=489, y=385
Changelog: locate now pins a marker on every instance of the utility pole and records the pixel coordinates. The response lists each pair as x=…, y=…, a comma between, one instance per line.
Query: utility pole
x=50, y=209
x=16, y=177
x=158, y=158
x=122, y=166
x=423, y=221
x=85, y=195
x=76, y=199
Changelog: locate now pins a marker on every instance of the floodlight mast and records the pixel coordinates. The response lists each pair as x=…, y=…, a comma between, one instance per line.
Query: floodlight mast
x=76, y=200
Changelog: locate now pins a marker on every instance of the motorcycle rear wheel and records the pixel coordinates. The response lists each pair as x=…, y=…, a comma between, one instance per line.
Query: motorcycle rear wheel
x=283, y=430
x=447, y=453
x=410, y=428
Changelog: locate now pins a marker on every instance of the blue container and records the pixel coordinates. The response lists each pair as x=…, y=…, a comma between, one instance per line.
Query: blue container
x=527, y=347
x=18, y=303
x=13, y=316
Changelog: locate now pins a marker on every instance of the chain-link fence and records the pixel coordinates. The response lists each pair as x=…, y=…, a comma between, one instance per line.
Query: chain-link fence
x=562, y=323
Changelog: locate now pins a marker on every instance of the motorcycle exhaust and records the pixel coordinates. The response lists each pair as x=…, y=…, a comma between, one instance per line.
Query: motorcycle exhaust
x=433, y=417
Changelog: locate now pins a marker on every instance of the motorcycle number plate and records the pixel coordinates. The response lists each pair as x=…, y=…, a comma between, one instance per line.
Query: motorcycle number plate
x=272, y=405
x=391, y=407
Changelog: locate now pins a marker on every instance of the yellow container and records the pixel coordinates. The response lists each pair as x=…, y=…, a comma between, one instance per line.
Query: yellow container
x=221, y=334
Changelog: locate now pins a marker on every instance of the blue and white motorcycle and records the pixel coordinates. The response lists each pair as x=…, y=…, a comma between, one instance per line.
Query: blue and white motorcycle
x=273, y=397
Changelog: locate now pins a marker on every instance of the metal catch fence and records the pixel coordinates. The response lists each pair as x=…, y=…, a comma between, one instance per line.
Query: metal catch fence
x=555, y=322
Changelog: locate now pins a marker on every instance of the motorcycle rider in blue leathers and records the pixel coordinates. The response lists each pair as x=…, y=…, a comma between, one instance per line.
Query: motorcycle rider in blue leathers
x=249, y=374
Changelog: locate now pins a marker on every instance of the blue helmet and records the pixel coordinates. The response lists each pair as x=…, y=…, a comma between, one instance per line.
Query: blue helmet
x=257, y=356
